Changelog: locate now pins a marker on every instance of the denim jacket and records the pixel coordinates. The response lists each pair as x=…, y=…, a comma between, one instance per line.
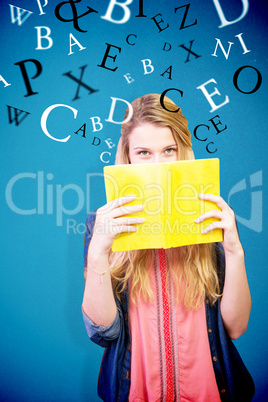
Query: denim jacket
x=233, y=379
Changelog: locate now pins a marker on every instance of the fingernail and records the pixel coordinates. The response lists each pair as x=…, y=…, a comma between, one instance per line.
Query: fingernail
x=201, y=195
x=197, y=220
x=131, y=196
x=141, y=220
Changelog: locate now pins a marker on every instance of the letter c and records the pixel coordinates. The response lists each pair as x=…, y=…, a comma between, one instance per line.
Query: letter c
x=44, y=121
x=9, y=190
x=101, y=156
x=211, y=152
x=195, y=129
x=131, y=44
x=163, y=96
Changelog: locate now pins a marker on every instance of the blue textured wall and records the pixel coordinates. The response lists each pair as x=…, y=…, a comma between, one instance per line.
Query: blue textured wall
x=48, y=187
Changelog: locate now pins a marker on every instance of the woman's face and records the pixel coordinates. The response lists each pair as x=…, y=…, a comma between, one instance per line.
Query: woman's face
x=150, y=143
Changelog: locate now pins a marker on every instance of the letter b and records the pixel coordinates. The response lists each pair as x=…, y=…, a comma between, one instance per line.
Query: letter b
x=108, y=15
x=147, y=63
x=40, y=37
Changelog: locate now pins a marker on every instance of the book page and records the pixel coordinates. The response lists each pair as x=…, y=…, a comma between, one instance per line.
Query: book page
x=143, y=181
x=187, y=179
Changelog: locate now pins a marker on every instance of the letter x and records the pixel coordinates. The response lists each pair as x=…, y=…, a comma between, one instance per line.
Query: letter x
x=189, y=51
x=79, y=81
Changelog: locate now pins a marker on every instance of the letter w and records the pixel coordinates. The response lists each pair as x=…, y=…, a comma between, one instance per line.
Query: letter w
x=20, y=12
x=17, y=113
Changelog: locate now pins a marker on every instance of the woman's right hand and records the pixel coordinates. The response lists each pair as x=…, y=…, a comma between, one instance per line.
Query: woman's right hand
x=110, y=221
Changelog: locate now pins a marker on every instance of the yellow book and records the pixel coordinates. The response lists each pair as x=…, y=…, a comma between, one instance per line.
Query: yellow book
x=169, y=193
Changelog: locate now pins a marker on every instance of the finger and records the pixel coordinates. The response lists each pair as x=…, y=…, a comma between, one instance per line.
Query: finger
x=214, y=213
x=124, y=210
x=117, y=202
x=212, y=226
x=123, y=228
x=214, y=198
x=128, y=221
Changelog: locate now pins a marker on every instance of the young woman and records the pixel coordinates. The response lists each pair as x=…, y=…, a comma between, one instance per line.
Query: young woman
x=165, y=317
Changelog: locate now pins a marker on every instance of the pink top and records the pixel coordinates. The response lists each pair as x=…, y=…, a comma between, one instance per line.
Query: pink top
x=170, y=358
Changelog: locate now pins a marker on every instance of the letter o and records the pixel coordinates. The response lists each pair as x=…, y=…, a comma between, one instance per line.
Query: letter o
x=257, y=86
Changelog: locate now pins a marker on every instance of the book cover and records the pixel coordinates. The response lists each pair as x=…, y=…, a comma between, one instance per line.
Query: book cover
x=169, y=193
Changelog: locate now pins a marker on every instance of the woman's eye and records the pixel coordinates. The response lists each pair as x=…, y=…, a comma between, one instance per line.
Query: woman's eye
x=170, y=150
x=144, y=153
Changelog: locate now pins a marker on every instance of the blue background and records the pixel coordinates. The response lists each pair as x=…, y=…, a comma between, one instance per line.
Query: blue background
x=45, y=352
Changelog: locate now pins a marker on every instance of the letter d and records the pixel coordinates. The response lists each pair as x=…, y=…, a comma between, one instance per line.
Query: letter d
x=130, y=113
x=224, y=21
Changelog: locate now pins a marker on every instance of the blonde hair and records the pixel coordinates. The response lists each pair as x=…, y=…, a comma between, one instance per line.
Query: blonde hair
x=193, y=268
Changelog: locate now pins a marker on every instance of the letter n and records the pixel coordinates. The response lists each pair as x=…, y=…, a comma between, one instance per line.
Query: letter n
x=16, y=114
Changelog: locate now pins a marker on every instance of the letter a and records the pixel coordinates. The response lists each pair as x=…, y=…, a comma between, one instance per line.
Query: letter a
x=4, y=81
x=75, y=42
x=224, y=21
x=20, y=12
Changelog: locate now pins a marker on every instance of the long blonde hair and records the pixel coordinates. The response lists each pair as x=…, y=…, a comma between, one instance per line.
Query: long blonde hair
x=193, y=268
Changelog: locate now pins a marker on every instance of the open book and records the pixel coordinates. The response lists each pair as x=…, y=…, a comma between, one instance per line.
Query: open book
x=169, y=193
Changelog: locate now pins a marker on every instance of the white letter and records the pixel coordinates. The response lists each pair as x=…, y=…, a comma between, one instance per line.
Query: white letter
x=39, y=37
x=40, y=7
x=44, y=121
x=108, y=15
x=94, y=123
x=209, y=96
x=147, y=65
x=101, y=157
x=20, y=12
x=75, y=43
x=224, y=21
x=9, y=189
x=2, y=79
x=128, y=78
x=222, y=48
x=71, y=223
x=242, y=43
x=110, y=118
x=110, y=143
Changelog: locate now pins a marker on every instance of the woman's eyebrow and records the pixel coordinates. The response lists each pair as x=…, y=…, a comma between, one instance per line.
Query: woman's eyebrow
x=141, y=148
x=171, y=146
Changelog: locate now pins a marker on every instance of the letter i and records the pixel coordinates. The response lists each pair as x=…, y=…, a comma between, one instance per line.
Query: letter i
x=50, y=176
x=242, y=43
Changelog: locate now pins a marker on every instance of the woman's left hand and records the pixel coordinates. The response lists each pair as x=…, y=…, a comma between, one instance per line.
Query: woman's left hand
x=231, y=242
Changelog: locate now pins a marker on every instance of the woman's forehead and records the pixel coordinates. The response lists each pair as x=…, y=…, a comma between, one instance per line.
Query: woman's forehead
x=150, y=135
